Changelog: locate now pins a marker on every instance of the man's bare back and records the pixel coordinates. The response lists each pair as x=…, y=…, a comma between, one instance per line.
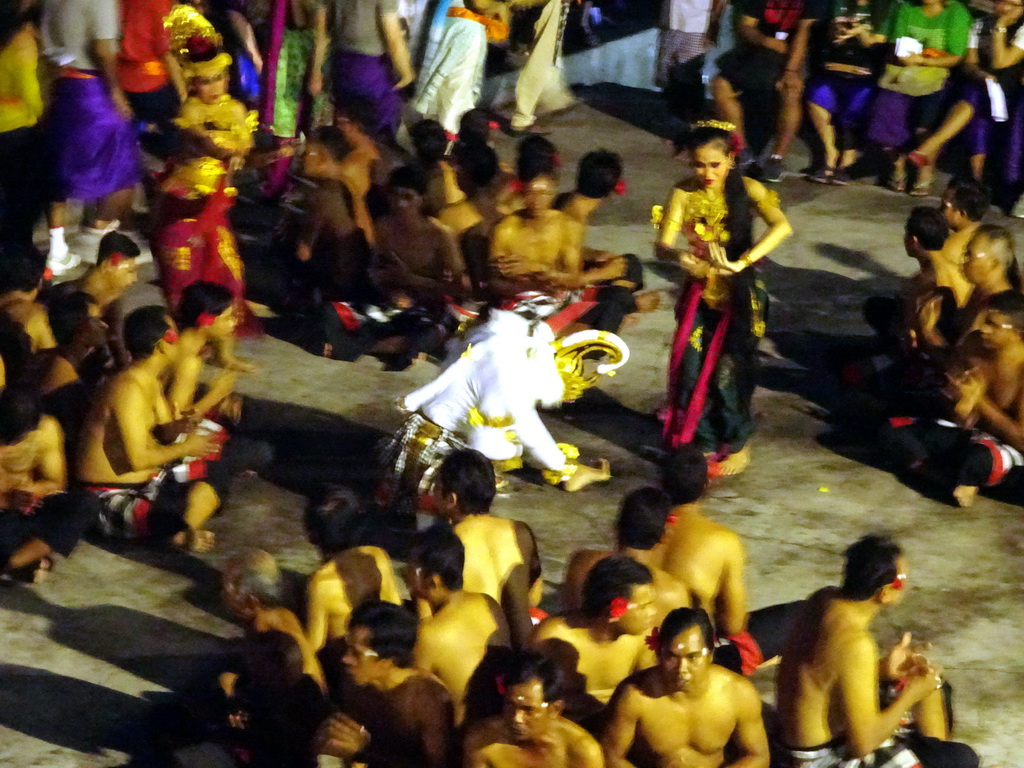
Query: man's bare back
x=342, y=584
x=454, y=641
x=547, y=244
x=669, y=592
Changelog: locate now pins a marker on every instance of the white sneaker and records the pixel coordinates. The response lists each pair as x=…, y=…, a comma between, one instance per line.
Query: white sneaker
x=60, y=260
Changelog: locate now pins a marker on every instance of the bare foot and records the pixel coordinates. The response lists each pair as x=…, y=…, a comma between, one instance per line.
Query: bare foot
x=735, y=462
x=194, y=540
x=42, y=570
x=584, y=476
x=647, y=302
x=240, y=364
x=964, y=495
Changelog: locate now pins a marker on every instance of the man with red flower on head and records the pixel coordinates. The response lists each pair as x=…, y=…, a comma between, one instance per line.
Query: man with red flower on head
x=602, y=644
x=685, y=710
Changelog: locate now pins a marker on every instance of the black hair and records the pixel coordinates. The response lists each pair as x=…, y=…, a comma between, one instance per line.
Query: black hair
x=680, y=620
x=684, y=475
x=478, y=161
x=612, y=578
x=475, y=127
x=598, y=173
x=439, y=552
x=117, y=242
x=409, y=177
x=430, y=141
x=358, y=110
x=21, y=267
x=392, y=630
x=20, y=412
x=642, y=517
x=1011, y=304
x=273, y=661
x=332, y=139
x=870, y=565
x=143, y=330
x=67, y=313
x=330, y=521
x=970, y=197
x=15, y=351
x=739, y=220
x=535, y=156
x=202, y=298
x=1001, y=237
x=12, y=20
x=928, y=226
x=530, y=665
x=470, y=476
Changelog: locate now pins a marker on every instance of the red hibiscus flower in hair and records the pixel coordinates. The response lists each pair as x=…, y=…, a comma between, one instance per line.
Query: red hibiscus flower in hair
x=620, y=187
x=671, y=520
x=501, y=683
x=653, y=640
x=516, y=186
x=618, y=607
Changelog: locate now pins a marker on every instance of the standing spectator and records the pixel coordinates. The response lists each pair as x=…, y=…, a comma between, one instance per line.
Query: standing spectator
x=913, y=87
x=688, y=31
x=995, y=53
x=149, y=73
x=839, y=96
x=769, y=61
x=92, y=139
x=540, y=80
x=454, y=74
x=369, y=52
x=22, y=195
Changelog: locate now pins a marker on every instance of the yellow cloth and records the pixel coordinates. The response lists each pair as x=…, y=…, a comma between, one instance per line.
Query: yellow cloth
x=21, y=102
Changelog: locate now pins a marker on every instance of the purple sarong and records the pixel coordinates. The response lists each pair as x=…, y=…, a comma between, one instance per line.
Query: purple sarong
x=845, y=98
x=358, y=76
x=95, y=151
x=978, y=132
x=1013, y=163
x=896, y=117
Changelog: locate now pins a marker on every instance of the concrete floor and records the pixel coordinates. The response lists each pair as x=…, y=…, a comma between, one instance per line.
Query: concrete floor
x=118, y=626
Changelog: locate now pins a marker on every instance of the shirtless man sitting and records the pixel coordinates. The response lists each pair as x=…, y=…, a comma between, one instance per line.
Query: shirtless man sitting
x=21, y=278
x=254, y=591
x=497, y=551
x=461, y=633
x=603, y=643
x=405, y=717
x=708, y=559
x=985, y=445
x=536, y=248
x=122, y=460
x=827, y=687
x=532, y=732
x=116, y=269
x=685, y=710
x=349, y=577
x=618, y=278
x=37, y=517
x=964, y=204
x=640, y=530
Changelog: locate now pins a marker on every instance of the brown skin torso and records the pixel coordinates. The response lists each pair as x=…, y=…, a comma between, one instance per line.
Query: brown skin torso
x=669, y=592
x=410, y=724
x=489, y=745
x=34, y=464
x=545, y=245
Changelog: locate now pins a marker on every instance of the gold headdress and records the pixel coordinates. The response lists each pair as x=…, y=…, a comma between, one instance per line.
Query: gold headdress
x=195, y=43
x=721, y=125
x=585, y=356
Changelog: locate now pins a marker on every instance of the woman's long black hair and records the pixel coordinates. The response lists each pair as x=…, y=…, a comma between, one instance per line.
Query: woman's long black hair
x=739, y=220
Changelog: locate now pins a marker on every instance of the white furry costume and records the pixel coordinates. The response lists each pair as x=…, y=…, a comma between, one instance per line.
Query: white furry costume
x=485, y=398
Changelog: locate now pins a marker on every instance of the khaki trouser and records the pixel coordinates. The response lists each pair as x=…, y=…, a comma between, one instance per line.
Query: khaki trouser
x=540, y=80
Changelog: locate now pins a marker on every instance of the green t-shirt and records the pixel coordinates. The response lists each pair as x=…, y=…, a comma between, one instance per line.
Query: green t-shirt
x=946, y=32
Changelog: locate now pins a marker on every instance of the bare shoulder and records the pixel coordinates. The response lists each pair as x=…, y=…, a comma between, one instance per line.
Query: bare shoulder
x=49, y=429
x=552, y=627
x=324, y=576
x=581, y=747
x=483, y=733
x=755, y=189
x=740, y=690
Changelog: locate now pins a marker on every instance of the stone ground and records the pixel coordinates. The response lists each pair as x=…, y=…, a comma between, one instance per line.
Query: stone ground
x=117, y=627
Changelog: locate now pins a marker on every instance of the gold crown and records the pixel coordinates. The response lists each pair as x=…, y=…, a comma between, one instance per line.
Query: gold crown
x=721, y=125
x=585, y=356
x=183, y=23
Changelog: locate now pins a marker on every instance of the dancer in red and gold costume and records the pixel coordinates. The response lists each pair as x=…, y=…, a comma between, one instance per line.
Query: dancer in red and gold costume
x=192, y=238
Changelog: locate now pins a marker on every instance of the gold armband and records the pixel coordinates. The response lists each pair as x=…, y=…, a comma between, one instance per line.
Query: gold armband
x=572, y=463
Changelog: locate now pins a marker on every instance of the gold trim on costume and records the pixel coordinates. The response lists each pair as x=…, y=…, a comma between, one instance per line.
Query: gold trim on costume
x=583, y=357
x=477, y=419
x=572, y=463
x=721, y=125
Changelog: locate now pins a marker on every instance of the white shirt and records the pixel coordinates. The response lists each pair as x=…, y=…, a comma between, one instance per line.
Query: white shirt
x=686, y=15
x=70, y=27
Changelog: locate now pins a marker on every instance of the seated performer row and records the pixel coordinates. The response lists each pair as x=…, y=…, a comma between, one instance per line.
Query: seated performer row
x=620, y=681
